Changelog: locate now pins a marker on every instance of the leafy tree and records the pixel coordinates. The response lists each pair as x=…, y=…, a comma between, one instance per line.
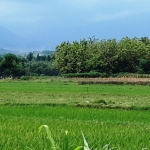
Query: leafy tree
x=145, y=40
x=48, y=58
x=38, y=57
x=105, y=56
x=10, y=66
x=43, y=58
x=144, y=66
x=30, y=56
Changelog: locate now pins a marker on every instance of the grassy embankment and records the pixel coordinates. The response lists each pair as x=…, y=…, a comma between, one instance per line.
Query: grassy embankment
x=125, y=129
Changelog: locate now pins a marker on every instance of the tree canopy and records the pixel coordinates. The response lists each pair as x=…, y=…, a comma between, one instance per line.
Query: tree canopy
x=107, y=56
x=111, y=56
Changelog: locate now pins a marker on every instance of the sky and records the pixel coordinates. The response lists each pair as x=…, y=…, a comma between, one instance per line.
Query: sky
x=30, y=25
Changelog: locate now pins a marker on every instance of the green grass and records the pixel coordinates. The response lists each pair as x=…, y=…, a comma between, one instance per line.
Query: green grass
x=26, y=105
x=123, y=128
x=71, y=93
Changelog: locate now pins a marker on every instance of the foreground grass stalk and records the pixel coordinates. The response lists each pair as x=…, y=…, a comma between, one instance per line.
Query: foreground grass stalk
x=66, y=142
x=86, y=146
x=52, y=143
x=107, y=147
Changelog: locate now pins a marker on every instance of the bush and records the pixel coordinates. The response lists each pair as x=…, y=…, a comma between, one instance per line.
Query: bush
x=82, y=75
x=25, y=77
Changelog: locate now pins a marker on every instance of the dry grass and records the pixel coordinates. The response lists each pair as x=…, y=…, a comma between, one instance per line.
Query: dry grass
x=121, y=80
x=140, y=80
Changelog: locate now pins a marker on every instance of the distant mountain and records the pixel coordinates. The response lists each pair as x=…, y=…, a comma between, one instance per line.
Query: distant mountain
x=5, y=51
x=47, y=52
x=41, y=53
x=14, y=42
x=9, y=40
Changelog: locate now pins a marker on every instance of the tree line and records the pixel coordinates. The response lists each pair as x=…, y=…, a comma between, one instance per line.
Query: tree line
x=30, y=65
x=128, y=55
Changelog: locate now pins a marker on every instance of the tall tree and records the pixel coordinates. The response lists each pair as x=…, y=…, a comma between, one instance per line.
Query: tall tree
x=10, y=66
x=30, y=56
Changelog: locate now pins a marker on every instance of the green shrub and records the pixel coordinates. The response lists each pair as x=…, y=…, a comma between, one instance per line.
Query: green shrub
x=82, y=75
x=25, y=77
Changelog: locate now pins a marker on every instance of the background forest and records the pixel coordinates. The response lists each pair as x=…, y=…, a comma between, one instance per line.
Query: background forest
x=91, y=57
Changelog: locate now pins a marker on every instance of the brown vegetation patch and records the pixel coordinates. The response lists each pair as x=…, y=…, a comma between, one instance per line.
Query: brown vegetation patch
x=122, y=80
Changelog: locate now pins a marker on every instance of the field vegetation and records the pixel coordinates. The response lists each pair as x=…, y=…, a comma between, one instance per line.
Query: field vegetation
x=100, y=88
x=66, y=104
x=51, y=91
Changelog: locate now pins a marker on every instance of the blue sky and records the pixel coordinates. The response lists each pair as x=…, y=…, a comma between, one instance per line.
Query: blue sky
x=35, y=23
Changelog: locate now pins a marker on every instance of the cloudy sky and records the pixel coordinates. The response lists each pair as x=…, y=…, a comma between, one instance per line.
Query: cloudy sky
x=33, y=24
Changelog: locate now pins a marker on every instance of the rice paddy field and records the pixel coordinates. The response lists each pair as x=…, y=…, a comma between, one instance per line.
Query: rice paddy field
x=115, y=114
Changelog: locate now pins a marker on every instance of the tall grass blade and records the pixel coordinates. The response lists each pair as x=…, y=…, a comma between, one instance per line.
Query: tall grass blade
x=107, y=147
x=52, y=143
x=78, y=148
x=86, y=146
x=65, y=141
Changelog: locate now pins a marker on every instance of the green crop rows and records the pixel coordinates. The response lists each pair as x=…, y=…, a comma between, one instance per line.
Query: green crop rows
x=26, y=105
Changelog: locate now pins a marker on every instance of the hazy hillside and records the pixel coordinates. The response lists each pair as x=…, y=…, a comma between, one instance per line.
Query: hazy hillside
x=14, y=42
x=5, y=51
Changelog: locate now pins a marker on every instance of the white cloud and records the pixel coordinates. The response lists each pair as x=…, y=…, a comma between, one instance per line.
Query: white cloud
x=29, y=12
x=84, y=4
x=115, y=16
x=13, y=11
x=7, y=7
x=120, y=10
x=32, y=15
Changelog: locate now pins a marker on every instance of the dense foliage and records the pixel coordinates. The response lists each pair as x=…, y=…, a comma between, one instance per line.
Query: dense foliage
x=16, y=66
x=105, y=56
x=90, y=58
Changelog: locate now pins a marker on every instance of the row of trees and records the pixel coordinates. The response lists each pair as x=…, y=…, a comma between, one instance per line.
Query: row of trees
x=105, y=56
x=16, y=66
x=129, y=55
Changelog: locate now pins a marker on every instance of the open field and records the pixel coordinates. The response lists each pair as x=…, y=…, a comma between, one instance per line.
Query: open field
x=124, y=129
x=25, y=106
x=65, y=91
